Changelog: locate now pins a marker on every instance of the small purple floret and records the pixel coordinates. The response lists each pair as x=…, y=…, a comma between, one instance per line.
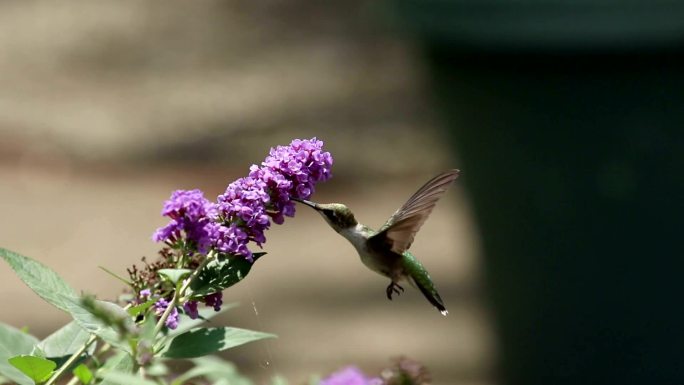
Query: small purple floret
x=191, y=213
x=160, y=306
x=350, y=376
x=303, y=163
x=172, y=321
x=159, y=309
x=215, y=300
x=190, y=309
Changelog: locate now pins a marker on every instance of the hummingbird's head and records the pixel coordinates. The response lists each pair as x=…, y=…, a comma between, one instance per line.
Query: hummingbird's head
x=337, y=215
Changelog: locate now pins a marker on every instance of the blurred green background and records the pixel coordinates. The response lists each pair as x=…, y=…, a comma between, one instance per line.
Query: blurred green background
x=557, y=252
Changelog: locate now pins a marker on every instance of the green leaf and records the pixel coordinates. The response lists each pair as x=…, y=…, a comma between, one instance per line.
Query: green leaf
x=122, y=362
x=146, y=329
x=157, y=369
x=65, y=341
x=83, y=374
x=125, y=298
x=37, y=368
x=45, y=282
x=220, y=274
x=212, y=368
x=115, y=377
x=37, y=351
x=202, y=341
x=134, y=311
x=205, y=314
x=174, y=275
x=186, y=323
x=96, y=323
x=14, y=342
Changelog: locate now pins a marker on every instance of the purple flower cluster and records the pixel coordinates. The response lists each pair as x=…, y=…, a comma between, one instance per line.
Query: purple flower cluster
x=246, y=209
x=190, y=308
x=159, y=308
x=191, y=213
x=242, y=213
x=249, y=204
x=243, y=209
x=350, y=376
x=293, y=171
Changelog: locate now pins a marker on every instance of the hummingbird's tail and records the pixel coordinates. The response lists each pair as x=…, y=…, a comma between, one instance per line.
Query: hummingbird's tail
x=432, y=295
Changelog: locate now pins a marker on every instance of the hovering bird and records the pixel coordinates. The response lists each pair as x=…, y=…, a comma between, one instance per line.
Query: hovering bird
x=385, y=251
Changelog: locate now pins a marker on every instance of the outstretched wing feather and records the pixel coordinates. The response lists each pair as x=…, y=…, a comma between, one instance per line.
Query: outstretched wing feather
x=399, y=231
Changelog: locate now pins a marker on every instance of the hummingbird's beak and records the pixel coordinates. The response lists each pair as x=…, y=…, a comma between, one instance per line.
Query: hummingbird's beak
x=313, y=205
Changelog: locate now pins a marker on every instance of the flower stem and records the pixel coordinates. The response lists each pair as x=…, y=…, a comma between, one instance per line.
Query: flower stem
x=167, y=312
x=71, y=360
x=179, y=293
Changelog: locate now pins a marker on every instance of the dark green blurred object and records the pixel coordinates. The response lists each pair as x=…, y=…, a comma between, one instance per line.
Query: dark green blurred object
x=569, y=119
x=552, y=25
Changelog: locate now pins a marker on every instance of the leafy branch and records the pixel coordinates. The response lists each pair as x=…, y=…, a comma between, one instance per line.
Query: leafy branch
x=25, y=360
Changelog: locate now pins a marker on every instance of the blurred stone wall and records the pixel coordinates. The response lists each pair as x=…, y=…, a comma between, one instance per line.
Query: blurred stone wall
x=205, y=82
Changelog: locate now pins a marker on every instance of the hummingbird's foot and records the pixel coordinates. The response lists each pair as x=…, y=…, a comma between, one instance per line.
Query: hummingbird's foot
x=393, y=288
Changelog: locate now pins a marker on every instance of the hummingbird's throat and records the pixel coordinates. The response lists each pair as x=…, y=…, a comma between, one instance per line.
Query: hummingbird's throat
x=357, y=235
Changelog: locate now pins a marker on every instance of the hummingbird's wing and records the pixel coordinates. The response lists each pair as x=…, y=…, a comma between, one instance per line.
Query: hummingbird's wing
x=398, y=232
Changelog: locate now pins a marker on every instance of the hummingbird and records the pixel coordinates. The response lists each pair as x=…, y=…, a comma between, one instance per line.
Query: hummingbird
x=385, y=250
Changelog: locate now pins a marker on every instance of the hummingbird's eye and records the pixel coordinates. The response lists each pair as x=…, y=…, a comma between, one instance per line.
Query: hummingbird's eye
x=331, y=214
